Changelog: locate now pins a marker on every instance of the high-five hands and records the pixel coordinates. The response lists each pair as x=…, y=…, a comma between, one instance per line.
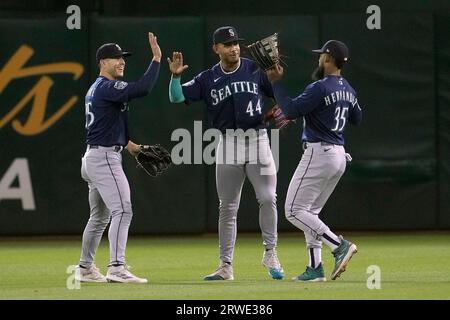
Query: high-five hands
x=156, y=50
x=176, y=64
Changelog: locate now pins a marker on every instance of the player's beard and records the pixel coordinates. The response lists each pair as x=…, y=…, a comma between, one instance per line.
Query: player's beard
x=318, y=73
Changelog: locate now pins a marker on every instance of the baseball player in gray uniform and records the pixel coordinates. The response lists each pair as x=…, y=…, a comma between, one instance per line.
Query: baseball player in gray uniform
x=107, y=135
x=326, y=105
x=233, y=92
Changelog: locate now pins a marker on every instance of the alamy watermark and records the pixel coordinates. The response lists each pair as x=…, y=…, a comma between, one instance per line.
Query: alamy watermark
x=234, y=147
x=71, y=281
x=374, y=279
x=373, y=22
x=74, y=20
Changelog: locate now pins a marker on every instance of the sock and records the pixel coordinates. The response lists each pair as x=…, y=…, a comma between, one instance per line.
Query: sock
x=315, y=257
x=115, y=265
x=331, y=240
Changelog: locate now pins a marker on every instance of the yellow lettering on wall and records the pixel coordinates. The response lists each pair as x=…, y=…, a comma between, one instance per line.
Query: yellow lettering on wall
x=38, y=95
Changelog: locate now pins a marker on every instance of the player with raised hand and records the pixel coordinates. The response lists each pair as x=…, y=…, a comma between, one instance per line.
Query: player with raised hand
x=107, y=135
x=233, y=92
x=327, y=105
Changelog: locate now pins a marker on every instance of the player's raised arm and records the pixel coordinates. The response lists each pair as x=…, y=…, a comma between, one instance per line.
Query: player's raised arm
x=293, y=108
x=146, y=83
x=156, y=50
x=176, y=67
x=125, y=91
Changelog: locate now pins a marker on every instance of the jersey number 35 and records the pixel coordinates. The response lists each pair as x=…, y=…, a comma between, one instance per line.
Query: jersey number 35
x=340, y=118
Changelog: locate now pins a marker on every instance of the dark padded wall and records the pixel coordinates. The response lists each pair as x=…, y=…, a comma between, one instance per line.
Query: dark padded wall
x=391, y=182
x=442, y=27
x=52, y=148
x=399, y=178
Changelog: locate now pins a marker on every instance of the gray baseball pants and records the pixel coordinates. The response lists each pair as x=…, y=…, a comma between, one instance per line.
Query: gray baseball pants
x=240, y=156
x=315, y=178
x=109, y=201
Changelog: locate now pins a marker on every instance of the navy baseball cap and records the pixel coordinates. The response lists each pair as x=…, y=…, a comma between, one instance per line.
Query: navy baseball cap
x=110, y=50
x=336, y=49
x=225, y=35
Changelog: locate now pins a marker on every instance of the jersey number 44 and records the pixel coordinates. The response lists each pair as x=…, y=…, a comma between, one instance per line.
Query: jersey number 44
x=250, y=109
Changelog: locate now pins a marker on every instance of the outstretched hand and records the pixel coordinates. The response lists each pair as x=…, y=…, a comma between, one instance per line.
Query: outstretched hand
x=156, y=50
x=176, y=64
x=275, y=74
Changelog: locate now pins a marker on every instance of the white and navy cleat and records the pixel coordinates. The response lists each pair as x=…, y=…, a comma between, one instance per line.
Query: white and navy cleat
x=223, y=272
x=271, y=262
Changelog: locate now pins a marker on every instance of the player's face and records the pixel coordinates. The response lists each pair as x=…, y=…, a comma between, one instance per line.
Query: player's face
x=229, y=52
x=322, y=59
x=319, y=72
x=115, y=67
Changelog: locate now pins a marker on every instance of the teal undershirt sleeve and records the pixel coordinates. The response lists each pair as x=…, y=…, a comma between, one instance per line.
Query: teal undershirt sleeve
x=175, y=90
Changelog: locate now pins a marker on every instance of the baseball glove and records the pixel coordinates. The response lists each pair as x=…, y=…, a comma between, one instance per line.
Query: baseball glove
x=265, y=52
x=276, y=114
x=153, y=159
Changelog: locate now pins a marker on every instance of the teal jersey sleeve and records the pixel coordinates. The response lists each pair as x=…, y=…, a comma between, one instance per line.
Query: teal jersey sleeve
x=175, y=91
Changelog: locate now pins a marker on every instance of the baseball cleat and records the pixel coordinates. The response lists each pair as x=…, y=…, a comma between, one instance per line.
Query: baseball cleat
x=312, y=275
x=342, y=256
x=223, y=272
x=271, y=262
x=122, y=274
x=90, y=274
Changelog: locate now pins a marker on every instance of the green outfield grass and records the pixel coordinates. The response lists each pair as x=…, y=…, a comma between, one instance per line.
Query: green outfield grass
x=413, y=266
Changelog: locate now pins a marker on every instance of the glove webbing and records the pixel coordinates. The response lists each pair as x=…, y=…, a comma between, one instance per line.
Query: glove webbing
x=258, y=51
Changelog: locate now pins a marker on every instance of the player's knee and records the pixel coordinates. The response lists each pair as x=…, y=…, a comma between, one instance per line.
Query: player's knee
x=267, y=199
x=127, y=207
x=126, y=213
x=288, y=210
x=99, y=221
x=289, y=217
x=228, y=206
x=228, y=212
x=294, y=212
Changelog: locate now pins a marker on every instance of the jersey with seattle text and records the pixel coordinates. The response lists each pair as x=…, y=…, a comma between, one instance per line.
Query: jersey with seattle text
x=106, y=104
x=234, y=100
x=327, y=105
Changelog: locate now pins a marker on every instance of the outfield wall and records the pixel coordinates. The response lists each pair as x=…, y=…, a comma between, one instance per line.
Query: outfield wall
x=399, y=178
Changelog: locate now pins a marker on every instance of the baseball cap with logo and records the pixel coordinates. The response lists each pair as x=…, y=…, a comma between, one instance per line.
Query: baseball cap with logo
x=336, y=49
x=110, y=50
x=226, y=35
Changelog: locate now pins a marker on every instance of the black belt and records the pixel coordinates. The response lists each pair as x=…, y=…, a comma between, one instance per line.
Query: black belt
x=116, y=148
x=322, y=143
